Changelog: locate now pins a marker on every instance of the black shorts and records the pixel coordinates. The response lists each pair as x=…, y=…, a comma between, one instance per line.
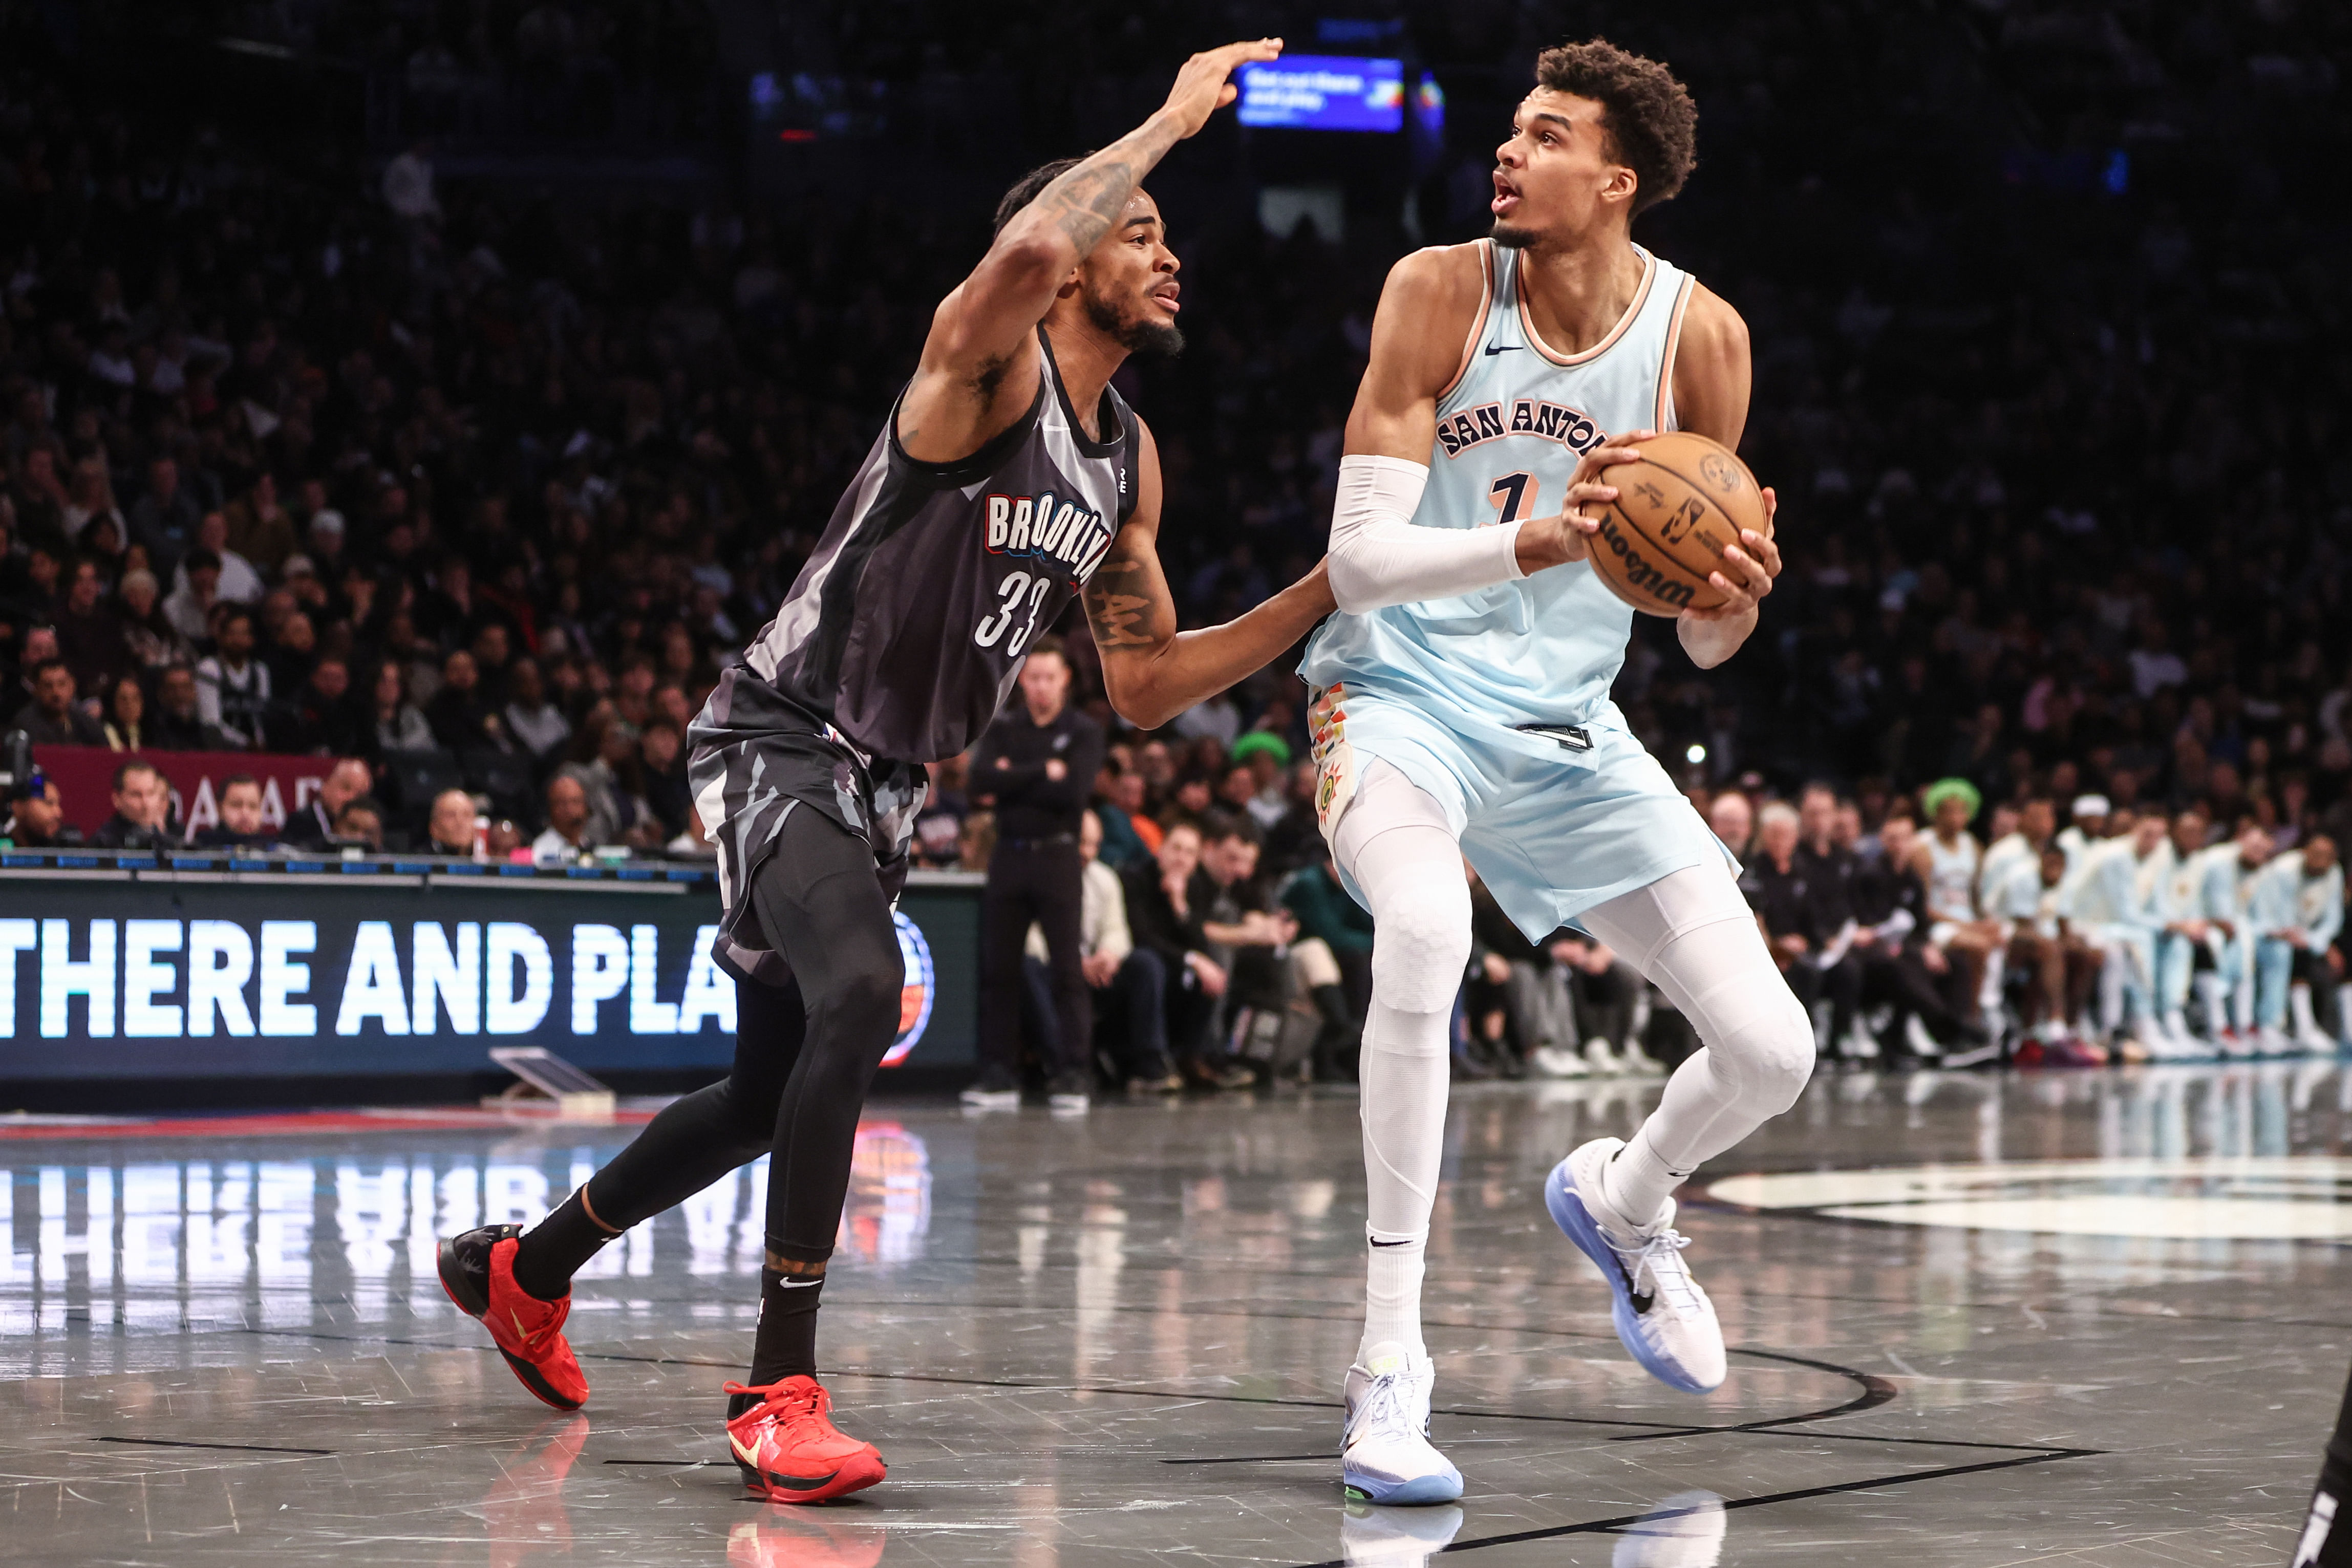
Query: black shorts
x=767, y=760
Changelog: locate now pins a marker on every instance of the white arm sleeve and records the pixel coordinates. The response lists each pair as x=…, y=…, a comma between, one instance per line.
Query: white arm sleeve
x=1379, y=557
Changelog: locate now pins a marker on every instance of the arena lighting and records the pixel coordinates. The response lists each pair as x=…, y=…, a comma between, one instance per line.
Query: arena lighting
x=1695, y=754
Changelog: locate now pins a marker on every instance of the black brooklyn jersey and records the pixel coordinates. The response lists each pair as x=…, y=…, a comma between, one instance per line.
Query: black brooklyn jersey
x=907, y=628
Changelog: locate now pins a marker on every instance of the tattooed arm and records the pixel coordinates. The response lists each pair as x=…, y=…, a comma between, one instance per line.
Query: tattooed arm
x=979, y=370
x=1152, y=672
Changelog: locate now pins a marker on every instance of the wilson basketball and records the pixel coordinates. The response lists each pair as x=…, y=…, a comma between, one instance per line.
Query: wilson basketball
x=1676, y=511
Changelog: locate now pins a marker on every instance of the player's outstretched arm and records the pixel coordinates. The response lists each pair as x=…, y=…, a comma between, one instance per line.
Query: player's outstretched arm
x=1379, y=556
x=979, y=362
x=1152, y=672
x=1712, y=379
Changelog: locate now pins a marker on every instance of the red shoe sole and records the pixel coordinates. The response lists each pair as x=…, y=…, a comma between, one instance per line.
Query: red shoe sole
x=859, y=1473
x=525, y=1374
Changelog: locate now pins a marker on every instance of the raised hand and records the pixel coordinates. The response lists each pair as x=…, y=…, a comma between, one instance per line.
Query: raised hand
x=1204, y=85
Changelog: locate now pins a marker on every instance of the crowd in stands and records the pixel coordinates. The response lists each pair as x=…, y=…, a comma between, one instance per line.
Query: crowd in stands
x=478, y=492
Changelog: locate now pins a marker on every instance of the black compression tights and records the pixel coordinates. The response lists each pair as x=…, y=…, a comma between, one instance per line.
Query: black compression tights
x=804, y=1056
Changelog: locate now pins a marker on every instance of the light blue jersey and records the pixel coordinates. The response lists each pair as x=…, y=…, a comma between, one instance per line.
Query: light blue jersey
x=1496, y=702
x=1542, y=649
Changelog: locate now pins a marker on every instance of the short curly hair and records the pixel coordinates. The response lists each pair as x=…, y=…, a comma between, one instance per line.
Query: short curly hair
x=1648, y=117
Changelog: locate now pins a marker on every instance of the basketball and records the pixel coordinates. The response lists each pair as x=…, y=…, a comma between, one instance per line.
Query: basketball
x=1676, y=511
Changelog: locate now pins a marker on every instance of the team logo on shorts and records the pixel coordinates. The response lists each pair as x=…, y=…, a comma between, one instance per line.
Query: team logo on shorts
x=916, y=994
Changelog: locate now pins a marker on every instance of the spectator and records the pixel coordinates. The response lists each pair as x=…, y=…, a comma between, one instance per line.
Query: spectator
x=232, y=686
x=1792, y=915
x=312, y=826
x=154, y=641
x=1130, y=838
x=319, y=719
x=126, y=715
x=532, y=722
x=1034, y=767
x=1333, y=956
x=1244, y=927
x=398, y=724
x=1163, y=919
x=1734, y=821
x=54, y=716
x=359, y=824
x=142, y=811
x=194, y=592
x=238, y=582
x=91, y=637
x=178, y=724
x=668, y=793
x=36, y=818
x=450, y=828
x=461, y=720
x=1132, y=982
x=2296, y=909
x=163, y=520
x=566, y=838
x=241, y=825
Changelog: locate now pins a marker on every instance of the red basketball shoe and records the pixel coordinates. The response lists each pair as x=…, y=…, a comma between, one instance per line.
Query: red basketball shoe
x=477, y=1270
x=789, y=1449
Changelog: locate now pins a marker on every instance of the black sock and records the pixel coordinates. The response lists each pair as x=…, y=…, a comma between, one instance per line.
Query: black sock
x=786, y=1346
x=2328, y=1537
x=556, y=1248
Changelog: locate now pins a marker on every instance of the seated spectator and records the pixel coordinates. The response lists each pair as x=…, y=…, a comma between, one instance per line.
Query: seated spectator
x=359, y=824
x=398, y=725
x=142, y=811
x=319, y=720
x=1733, y=821
x=293, y=650
x=1163, y=920
x=532, y=723
x=1130, y=838
x=238, y=582
x=154, y=643
x=1243, y=925
x=232, y=686
x=91, y=637
x=35, y=816
x=1131, y=982
x=165, y=518
x=188, y=610
x=450, y=828
x=312, y=826
x=241, y=825
x=178, y=723
x=2296, y=910
x=1333, y=961
x=461, y=720
x=126, y=716
x=1267, y=756
x=54, y=717
x=668, y=792
x=566, y=838
x=1781, y=894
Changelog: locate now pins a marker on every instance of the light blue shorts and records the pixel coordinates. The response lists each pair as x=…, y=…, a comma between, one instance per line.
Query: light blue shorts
x=1553, y=829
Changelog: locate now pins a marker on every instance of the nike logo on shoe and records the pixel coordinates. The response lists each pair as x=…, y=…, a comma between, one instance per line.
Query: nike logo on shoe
x=1493, y=348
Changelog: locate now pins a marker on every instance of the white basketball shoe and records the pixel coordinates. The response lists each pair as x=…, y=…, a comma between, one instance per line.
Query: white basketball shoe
x=1665, y=1319
x=1396, y=1537
x=1385, y=1455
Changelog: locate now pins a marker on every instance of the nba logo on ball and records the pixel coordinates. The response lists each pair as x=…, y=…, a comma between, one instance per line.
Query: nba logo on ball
x=915, y=994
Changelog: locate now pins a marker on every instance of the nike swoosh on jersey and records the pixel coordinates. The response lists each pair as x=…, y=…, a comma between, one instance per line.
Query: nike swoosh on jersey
x=1503, y=347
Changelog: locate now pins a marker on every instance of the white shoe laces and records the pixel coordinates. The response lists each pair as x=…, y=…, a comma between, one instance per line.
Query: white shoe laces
x=1661, y=1257
x=1386, y=1406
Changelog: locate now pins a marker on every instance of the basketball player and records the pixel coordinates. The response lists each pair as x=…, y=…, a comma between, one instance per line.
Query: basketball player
x=1948, y=861
x=1463, y=708
x=1009, y=477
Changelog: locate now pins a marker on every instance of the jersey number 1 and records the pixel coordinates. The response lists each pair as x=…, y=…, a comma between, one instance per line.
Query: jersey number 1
x=1014, y=588
x=1512, y=496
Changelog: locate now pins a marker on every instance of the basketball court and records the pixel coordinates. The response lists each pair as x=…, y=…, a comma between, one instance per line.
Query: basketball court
x=1114, y=1340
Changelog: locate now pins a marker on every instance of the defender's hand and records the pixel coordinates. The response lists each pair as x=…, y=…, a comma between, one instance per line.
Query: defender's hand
x=1555, y=541
x=1203, y=87
x=1747, y=573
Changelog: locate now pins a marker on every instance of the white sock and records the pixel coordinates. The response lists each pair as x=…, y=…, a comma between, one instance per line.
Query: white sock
x=1638, y=1181
x=1392, y=1277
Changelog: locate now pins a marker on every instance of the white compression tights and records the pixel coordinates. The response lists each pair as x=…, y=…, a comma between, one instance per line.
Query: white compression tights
x=1690, y=932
